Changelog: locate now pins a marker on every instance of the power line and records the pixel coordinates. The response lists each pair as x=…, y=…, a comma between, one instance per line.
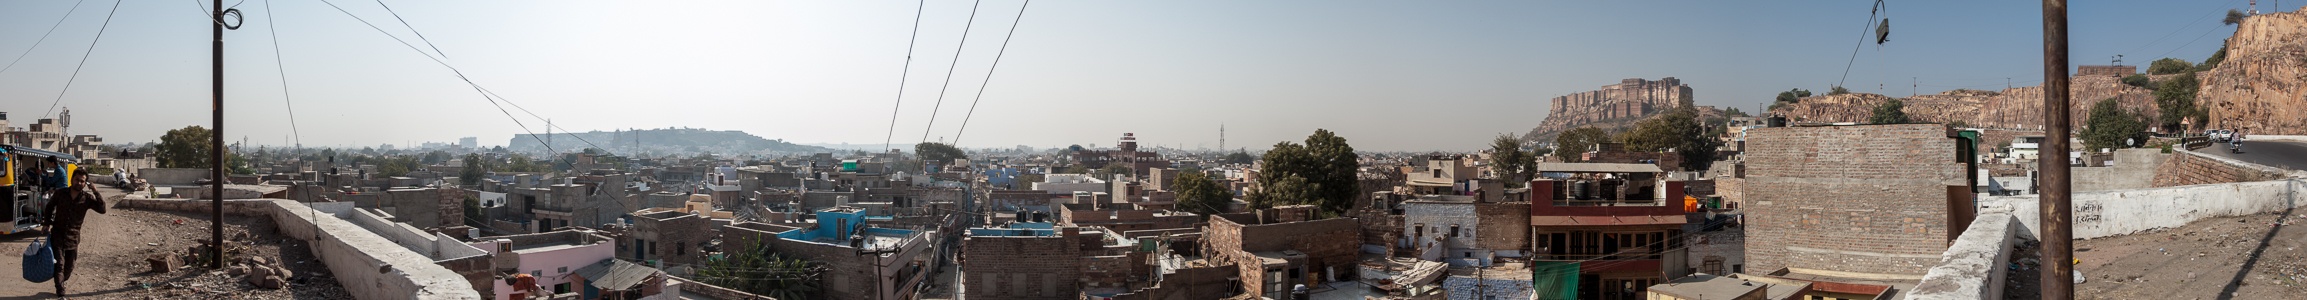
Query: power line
x=273, y=29
x=2175, y=31
x=2189, y=42
x=460, y=74
x=412, y=29
x=965, y=25
x=989, y=72
x=44, y=36
x=83, y=59
x=1871, y=13
x=903, y=74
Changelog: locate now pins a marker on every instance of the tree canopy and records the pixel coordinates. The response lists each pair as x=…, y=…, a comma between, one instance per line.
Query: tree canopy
x=1837, y=90
x=939, y=153
x=1571, y=145
x=1240, y=157
x=1509, y=162
x=1323, y=172
x=1677, y=131
x=1890, y=112
x=2169, y=66
x=2111, y=125
x=1202, y=194
x=2175, y=101
x=474, y=170
x=189, y=147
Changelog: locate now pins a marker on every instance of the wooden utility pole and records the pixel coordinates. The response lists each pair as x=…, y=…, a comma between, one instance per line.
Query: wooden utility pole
x=2058, y=236
x=216, y=138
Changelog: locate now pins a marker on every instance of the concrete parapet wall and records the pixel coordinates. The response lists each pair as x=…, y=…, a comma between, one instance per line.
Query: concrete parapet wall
x=2112, y=213
x=2133, y=169
x=2192, y=168
x=369, y=266
x=1973, y=268
x=172, y=176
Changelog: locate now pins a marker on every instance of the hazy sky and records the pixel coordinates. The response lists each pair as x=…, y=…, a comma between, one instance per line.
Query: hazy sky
x=1387, y=75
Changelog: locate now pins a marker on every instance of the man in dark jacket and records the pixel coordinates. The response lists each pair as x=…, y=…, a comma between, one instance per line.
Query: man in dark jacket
x=66, y=209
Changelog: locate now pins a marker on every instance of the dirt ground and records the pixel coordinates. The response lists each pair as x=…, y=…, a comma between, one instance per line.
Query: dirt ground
x=114, y=247
x=2248, y=257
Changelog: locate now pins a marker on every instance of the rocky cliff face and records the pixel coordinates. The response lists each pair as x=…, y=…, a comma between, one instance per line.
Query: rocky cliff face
x=1612, y=106
x=2017, y=108
x=2262, y=86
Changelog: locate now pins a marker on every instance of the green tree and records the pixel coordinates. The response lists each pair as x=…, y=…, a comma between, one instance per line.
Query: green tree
x=2139, y=80
x=1890, y=112
x=2168, y=66
x=763, y=273
x=1734, y=112
x=1202, y=194
x=474, y=170
x=1676, y=131
x=1790, y=96
x=2111, y=125
x=1323, y=172
x=2233, y=17
x=189, y=147
x=1509, y=162
x=436, y=157
x=2175, y=101
x=1571, y=145
x=1838, y=90
x=473, y=213
x=397, y=166
x=2216, y=58
x=1240, y=157
x=939, y=153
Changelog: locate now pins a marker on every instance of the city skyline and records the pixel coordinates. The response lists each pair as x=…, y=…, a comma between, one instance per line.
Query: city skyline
x=1170, y=72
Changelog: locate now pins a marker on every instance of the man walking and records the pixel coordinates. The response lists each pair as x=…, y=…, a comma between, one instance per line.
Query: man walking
x=66, y=209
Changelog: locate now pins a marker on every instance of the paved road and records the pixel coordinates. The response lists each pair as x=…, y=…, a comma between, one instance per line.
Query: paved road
x=2281, y=154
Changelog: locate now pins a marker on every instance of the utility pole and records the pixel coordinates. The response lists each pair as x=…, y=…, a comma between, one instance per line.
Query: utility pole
x=2058, y=235
x=216, y=137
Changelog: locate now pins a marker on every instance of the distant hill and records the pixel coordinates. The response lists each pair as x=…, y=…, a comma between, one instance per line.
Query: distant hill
x=661, y=142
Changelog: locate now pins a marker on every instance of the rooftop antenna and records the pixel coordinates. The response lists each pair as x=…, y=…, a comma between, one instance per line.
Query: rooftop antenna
x=2118, y=60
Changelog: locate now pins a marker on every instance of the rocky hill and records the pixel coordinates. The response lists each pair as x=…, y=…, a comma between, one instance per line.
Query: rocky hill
x=2262, y=85
x=663, y=141
x=2016, y=108
x=1612, y=106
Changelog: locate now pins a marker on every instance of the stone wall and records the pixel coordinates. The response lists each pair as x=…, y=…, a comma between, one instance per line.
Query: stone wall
x=1504, y=226
x=2192, y=168
x=1612, y=105
x=1870, y=200
x=2133, y=169
x=368, y=265
x=172, y=176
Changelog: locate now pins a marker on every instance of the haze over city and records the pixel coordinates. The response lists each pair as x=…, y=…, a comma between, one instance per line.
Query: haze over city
x=1389, y=76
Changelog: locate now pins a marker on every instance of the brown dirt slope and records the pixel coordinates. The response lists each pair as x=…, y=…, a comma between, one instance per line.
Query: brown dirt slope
x=115, y=246
x=2248, y=257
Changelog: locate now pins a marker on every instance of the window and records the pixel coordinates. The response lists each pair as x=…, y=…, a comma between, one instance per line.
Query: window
x=504, y=247
x=564, y=270
x=1713, y=265
x=562, y=288
x=1454, y=230
x=680, y=248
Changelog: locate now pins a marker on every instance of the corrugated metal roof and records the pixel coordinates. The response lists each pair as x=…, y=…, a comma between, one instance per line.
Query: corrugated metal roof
x=613, y=274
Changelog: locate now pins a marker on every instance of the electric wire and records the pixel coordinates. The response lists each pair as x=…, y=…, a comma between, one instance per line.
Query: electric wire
x=2175, y=31
x=83, y=59
x=989, y=72
x=1871, y=13
x=412, y=29
x=43, y=36
x=273, y=28
x=903, y=74
x=493, y=97
x=2198, y=38
x=949, y=70
x=453, y=69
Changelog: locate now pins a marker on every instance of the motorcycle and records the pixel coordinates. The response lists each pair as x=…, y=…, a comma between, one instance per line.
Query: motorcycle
x=2235, y=147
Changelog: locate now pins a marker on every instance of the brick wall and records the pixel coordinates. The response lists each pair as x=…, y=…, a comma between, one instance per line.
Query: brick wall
x=1864, y=199
x=2191, y=168
x=1329, y=245
x=1022, y=267
x=1504, y=226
